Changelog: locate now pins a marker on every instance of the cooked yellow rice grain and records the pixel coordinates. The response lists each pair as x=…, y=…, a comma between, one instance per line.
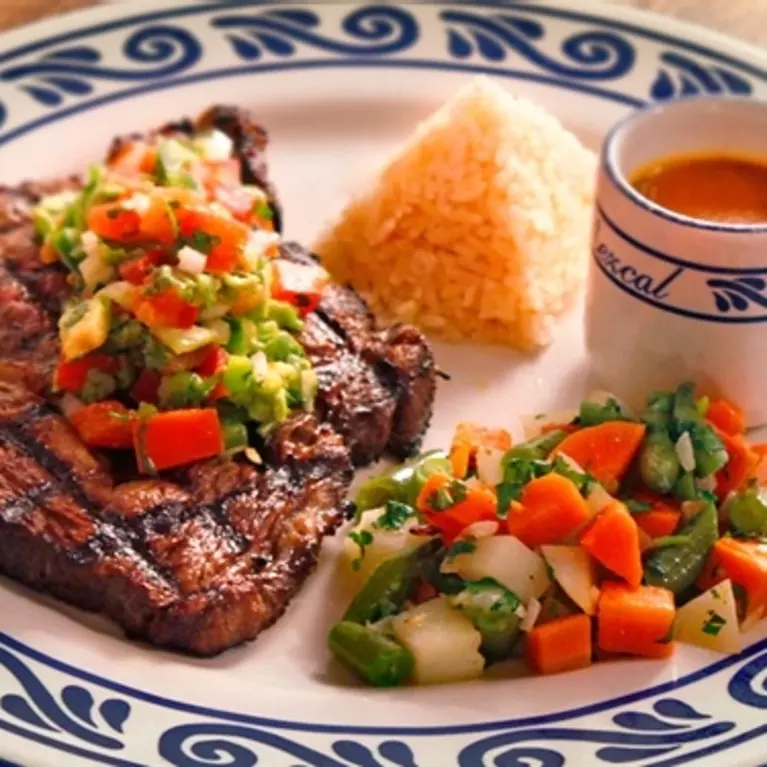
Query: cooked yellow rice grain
x=478, y=227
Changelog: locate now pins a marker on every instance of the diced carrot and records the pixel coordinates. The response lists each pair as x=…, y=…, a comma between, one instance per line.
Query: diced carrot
x=136, y=270
x=604, y=451
x=635, y=621
x=219, y=392
x=468, y=438
x=298, y=284
x=551, y=509
x=158, y=222
x=112, y=221
x=166, y=309
x=760, y=472
x=477, y=503
x=740, y=467
x=563, y=644
x=726, y=416
x=104, y=424
x=71, y=376
x=663, y=516
x=177, y=437
x=613, y=540
x=744, y=563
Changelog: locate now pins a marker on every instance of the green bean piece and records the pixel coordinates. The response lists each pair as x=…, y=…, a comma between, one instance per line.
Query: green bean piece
x=685, y=488
x=676, y=567
x=658, y=461
x=537, y=449
x=376, y=657
x=445, y=583
x=492, y=608
x=747, y=511
x=594, y=413
x=404, y=483
x=390, y=585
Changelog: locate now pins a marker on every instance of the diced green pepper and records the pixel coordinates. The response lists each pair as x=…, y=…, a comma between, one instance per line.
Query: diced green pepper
x=235, y=435
x=98, y=386
x=285, y=315
x=184, y=389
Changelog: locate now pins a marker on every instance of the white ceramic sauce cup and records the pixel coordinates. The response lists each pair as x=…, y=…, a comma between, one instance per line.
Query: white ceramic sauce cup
x=672, y=298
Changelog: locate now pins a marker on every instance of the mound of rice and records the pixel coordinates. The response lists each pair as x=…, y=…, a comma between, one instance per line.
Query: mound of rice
x=478, y=228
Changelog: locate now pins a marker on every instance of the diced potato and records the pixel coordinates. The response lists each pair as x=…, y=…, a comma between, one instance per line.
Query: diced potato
x=509, y=561
x=575, y=572
x=84, y=328
x=443, y=641
x=532, y=425
x=711, y=620
x=385, y=544
x=489, y=468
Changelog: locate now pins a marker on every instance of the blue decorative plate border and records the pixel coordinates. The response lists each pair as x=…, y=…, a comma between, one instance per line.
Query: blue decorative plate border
x=41, y=83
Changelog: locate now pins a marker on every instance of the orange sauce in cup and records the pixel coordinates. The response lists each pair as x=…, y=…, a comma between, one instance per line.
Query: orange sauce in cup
x=716, y=186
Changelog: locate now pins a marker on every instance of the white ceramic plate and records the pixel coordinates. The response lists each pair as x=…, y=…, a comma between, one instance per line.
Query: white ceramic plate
x=337, y=87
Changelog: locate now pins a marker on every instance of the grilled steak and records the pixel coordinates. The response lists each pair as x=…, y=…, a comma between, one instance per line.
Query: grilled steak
x=209, y=556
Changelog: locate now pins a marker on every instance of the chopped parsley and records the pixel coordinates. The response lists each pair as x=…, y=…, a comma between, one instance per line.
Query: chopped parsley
x=202, y=241
x=363, y=539
x=506, y=494
x=448, y=495
x=714, y=624
x=114, y=213
x=263, y=210
x=395, y=515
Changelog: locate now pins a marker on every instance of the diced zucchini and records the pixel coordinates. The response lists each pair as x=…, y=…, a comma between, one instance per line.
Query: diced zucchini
x=443, y=642
x=710, y=620
x=122, y=293
x=507, y=560
x=84, y=328
x=187, y=340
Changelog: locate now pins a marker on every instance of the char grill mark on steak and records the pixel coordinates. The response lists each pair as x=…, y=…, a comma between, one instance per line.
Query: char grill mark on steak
x=197, y=565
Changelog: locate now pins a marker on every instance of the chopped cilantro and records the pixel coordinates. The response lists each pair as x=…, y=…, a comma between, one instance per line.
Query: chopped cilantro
x=458, y=491
x=395, y=515
x=506, y=494
x=113, y=213
x=462, y=546
x=714, y=624
x=263, y=210
x=202, y=241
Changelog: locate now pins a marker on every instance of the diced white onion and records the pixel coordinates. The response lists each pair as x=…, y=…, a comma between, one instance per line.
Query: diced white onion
x=482, y=529
x=139, y=202
x=90, y=243
x=260, y=242
x=707, y=483
x=685, y=452
x=222, y=330
x=215, y=312
x=598, y=498
x=253, y=455
x=531, y=615
x=489, y=468
x=260, y=365
x=215, y=145
x=191, y=261
x=70, y=404
x=691, y=509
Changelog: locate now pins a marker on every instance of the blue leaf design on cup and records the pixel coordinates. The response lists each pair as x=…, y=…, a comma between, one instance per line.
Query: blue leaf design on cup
x=600, y=55
x=677, y=709
x=19, y=708
x=79, y=702
x=636, y=720
x=739, y=294
x=79, y=54
x=684, y=76
x=382, y=29
x=115, y=713
x=398, y=753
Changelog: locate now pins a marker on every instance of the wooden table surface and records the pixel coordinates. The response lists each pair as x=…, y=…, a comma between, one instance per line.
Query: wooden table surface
x=743, y=18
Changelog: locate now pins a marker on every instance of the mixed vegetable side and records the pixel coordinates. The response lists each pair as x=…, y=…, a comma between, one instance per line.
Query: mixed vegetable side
x=605, y=534
x=180, y=340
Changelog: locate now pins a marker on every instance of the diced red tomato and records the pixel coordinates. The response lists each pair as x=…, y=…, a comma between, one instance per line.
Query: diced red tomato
x=114, y=222
x=158, y=222
x=214, y=361
x=145, y=388
x=134, y=157
x=225, y=173
x=71, y=376
x=229, y=236
x=219, y=392
x=298, y=284
x=104, y=424
x=166, y=309
x=177, y=437
x=136, y=271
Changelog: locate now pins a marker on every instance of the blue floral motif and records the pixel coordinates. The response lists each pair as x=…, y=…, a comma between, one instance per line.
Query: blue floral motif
x=383, y=30
x=599, y=55
x=742, y=685
x=73, y=715
x=641, y=736
x=69, y=71
x=684, y=76
x=200, y=745
x=739, y=293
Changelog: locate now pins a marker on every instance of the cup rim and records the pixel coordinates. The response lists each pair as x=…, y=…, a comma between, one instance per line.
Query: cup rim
x=616, y=175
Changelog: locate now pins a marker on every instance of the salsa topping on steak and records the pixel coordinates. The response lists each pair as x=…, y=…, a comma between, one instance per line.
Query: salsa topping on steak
x=181, y=334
